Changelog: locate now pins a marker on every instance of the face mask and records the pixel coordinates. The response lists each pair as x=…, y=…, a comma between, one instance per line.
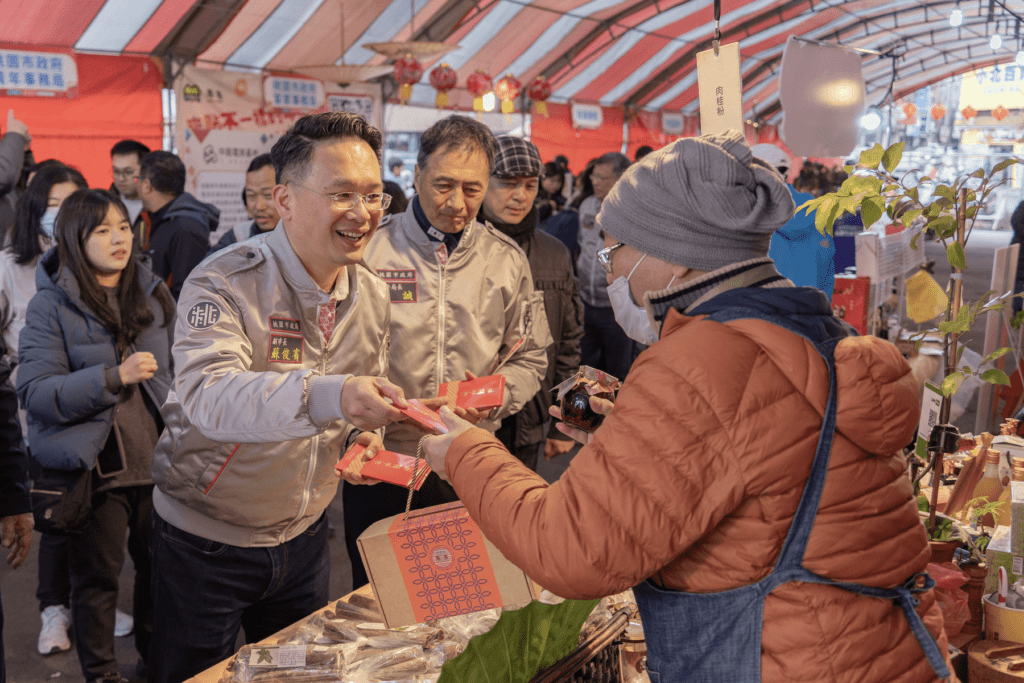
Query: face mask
x=47, y=221
x=631, y=318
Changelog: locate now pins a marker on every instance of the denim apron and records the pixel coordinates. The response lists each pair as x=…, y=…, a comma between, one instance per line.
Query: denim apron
x=716, y=637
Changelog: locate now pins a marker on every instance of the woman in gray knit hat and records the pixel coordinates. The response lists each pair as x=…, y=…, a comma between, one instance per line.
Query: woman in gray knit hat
x=748, y=483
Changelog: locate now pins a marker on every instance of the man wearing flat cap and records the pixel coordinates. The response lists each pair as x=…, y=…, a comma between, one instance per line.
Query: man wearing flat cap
x=508, y=206
x=748, y=484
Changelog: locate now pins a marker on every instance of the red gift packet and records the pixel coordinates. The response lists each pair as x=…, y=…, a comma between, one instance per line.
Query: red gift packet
x=482, y=393
x=850, y=301
x=387, y=466
x=425, y=417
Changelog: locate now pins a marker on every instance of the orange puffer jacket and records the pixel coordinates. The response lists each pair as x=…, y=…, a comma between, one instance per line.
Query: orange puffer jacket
x=694, y=479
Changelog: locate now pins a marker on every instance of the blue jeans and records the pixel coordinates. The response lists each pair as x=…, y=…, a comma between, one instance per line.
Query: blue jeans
x=203, y=591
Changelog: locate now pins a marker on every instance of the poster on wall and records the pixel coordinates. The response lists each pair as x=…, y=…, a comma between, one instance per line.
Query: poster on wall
x=28, y=73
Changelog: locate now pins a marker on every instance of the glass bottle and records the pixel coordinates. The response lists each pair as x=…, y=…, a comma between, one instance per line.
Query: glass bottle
x=990, y=486
x=1005, y=498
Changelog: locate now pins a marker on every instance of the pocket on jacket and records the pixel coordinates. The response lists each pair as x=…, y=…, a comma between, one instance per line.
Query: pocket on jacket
x=215, y=467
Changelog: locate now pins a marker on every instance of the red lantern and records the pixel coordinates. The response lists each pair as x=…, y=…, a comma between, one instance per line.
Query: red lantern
x=969, y=112
x=938, y=112
x=479, y=84
x=407, y=72
x=538, y=92
x=910, y=111
x=443, y=78
x=1000, y=113
x=507, y=90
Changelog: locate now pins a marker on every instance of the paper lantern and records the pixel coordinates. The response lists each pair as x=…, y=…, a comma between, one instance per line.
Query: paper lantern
x=969, y=112
x=538, y=92
x=407, y=72
x=507, y=90
x=479, y=84
x=1000, y=113
x=443, y=78
x=910, y=111
x=938, y=112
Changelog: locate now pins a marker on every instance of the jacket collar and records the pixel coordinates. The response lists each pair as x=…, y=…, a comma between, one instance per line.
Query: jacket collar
x=51, y=275
x=291, y=266
x=408, y=224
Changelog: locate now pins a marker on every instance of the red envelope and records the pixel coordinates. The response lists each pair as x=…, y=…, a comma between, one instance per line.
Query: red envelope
x=424, y=416
x=482, y=393
x=387, y=466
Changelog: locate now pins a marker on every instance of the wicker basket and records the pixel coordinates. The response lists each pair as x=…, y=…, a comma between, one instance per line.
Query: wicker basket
x=595, y=660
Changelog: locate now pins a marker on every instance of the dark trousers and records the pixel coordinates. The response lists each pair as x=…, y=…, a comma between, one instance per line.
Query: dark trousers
x=365, y=505
x=506, y=434
x=97, y=556
x=3, y=659
x=204, y=591
x=54, y=575
x=605, y=345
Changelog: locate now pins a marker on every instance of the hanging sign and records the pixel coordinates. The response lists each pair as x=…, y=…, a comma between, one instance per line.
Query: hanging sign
x=671, y=123
x=587, y=116
x=25, y=73
x=292, y=93
x=931, y=404
x=720, y=89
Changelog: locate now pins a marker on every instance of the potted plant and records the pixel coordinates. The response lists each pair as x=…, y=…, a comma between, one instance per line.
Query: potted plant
x=875, y=188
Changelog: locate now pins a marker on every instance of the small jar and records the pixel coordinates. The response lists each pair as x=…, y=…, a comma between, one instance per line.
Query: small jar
x=576, y=410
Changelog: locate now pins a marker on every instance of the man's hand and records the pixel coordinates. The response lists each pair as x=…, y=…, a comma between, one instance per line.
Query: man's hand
x=556, y=447
x=16, y=126
x=16, y=534
x=435, y=448
x=471, y=415
x=365, y=405
x=373, y=444
x=601, y=406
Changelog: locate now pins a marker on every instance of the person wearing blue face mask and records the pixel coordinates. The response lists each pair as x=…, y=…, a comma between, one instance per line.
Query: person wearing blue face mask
x=31, y=236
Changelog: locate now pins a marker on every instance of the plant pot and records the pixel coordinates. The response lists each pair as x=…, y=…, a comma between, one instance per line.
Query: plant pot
x=942, y=551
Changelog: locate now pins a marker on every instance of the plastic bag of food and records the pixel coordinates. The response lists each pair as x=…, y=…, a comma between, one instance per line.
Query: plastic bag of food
x=352, y=612
x=284, y=664
x=951, y=596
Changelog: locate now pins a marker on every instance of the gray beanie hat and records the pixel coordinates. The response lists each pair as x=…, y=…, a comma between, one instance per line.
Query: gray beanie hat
x=703, y=203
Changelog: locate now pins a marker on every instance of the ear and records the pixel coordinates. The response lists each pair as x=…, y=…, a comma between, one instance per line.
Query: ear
x=284, y=201
x=416, y=178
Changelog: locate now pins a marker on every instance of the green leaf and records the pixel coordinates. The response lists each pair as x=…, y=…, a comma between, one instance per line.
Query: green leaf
x=952, y=383
x=810, y=205
x=848, y=169
x=1003, y=165
x=995, y=376
x=828, y=211
x=912, y=194
x=944, y=191
x=980, y=173
x=922, y=503
x=914, y=239
x=871, y=209
x=891, y=157
x=872, y=157
x=908, y=217
x=523, y=642
x=1017, y=319
x=998, y=353
x=967, y=370
x=955, y=255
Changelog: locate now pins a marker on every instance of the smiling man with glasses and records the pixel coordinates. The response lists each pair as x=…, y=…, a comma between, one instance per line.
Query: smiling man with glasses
x=280, y=356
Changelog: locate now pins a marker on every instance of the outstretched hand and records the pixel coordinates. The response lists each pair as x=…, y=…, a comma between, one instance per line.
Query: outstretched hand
x=368, y=403
x=601, y=406
x=435, y=448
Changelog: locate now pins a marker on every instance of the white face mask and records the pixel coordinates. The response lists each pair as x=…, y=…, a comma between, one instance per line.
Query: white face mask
x=47, y=221
x=631, y=318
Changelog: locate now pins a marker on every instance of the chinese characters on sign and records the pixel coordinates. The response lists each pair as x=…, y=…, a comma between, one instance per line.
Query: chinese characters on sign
x=355, y=104
x=292, y=93
x=37, y=73
x=720, y=100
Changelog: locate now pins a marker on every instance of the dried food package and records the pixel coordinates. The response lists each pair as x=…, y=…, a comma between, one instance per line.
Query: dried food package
x=356, y=613
x=368, y=660
x=366, y=601
x=336, y=631
x=285, y=664
x=574, y=397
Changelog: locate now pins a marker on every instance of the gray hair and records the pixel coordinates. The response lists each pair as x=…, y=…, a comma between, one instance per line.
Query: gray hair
x=618, y=161
x=457, y=133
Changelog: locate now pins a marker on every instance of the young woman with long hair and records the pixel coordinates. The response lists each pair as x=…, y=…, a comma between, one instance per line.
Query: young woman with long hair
x=95, y=365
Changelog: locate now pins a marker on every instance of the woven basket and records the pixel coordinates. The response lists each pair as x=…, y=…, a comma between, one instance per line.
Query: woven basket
x=596, y=660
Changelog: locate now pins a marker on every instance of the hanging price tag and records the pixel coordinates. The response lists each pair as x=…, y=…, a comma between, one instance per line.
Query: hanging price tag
x=720, y=89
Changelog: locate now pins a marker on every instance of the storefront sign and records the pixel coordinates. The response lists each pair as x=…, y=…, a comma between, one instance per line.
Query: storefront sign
x=988, y=88
x=38, y=74
x=671, y=123
x=587, y=116
x=293, y=93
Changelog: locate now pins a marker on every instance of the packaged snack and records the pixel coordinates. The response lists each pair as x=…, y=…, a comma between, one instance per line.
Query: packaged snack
x=282, y=663
x=575, y=392
x=482, y=393
x=350, y=612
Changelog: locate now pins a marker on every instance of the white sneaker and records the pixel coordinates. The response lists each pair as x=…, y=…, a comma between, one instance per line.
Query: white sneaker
x=54, y=635
x=123, y=624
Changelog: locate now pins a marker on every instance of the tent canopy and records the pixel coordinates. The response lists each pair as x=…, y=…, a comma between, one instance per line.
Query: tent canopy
x=638, y=53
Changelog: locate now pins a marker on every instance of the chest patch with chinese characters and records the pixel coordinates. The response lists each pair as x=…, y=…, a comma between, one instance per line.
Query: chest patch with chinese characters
x=284, y=349
x=285, y=325
x=401, y=285
x=203, y=315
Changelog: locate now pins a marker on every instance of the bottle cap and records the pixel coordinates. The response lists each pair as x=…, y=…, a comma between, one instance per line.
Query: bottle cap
x=991, y=456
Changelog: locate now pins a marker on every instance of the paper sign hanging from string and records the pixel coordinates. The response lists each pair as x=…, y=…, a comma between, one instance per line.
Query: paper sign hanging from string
x=720, y=89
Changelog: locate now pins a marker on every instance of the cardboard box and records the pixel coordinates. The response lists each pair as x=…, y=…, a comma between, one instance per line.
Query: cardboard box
x=437, y=564
x=482, y=393
x=387, y=466
x=851, y=301
x=998, y=554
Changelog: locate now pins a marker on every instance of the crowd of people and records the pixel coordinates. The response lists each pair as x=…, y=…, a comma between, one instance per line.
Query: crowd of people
x=206, y=379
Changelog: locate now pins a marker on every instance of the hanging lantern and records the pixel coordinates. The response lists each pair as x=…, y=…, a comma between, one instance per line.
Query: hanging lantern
x=969, y=112
x=407, y=72
x=507, y=90
x=479, y=84
x=910, y=111
x=538, y=92
x=443, y=78
x=1000, y=113
x=938, y=112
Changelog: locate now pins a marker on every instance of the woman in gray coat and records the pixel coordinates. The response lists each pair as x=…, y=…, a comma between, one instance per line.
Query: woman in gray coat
x=95, y=368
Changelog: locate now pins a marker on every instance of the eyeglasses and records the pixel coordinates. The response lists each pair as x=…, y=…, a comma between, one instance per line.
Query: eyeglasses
x=604, y=256
x=126, y=173
x=344, y=201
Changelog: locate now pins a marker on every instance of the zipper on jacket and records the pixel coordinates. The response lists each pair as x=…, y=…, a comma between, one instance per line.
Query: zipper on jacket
x=440, y=321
